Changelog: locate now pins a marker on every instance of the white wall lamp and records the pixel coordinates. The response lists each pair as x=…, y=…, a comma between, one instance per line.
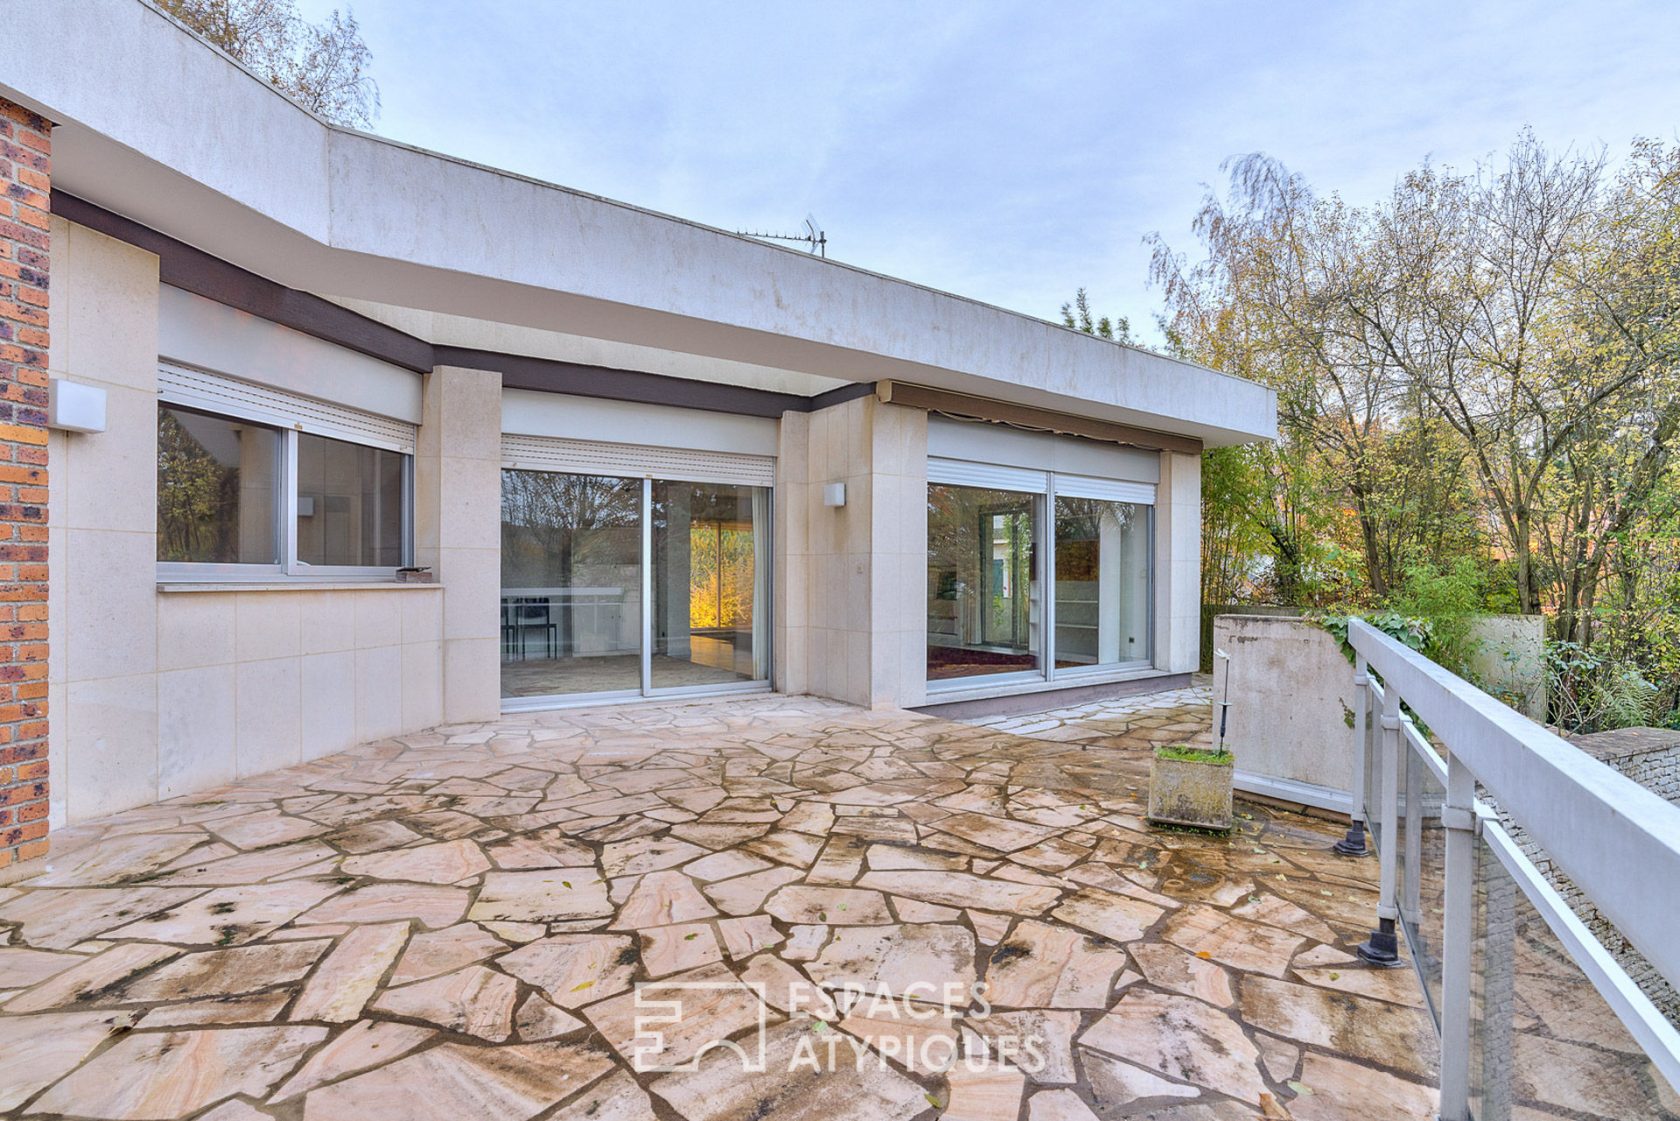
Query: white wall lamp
x=834, y=494
x=73, y=407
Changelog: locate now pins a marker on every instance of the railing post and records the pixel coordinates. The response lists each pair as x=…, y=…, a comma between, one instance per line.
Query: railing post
x=1354, y=843
x=1411, y=891
x=1458, y=817
x=1383, y=947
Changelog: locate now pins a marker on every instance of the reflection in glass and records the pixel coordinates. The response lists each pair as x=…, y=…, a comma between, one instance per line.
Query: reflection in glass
x=1102, y=582
x=709, y=545
x=571, y=583
x=350, y=503
x=216, y=489
x=983, y=611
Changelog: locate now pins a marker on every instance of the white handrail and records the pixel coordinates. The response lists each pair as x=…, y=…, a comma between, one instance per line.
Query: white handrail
x=1617, y=841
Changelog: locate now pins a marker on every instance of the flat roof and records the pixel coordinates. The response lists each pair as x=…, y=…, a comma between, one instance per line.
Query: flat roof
x=158, y=126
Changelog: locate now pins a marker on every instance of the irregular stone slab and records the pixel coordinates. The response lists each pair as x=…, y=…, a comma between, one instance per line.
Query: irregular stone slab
x=796, y=849
x=446, y=862
x=790, y=1090
x=474, y=1000
x=1365, y=1029
x=230, y=915
x=1045, y=966
x=707, y=1006
x=1118, y=917
x=374, y=835
x=114, y=860
x=1116, y=1085
x=58, y=918
x=993, y=1094
x=1276, y=911
x=836, y=906
x=1038, y=1041
x=661, y=899
x=226, y=972
x=1241, y=944
x=544, y=895
x=39, y=1050
x=101, y=974
x=672, y=949
x=1341, y=1090
x=785, y=989
x=996, y=833
x=429, y=905
x=914, y=910
x=1397, y=986
x=644, y=854
x=1182, y=1038
x=617, y=1098
x=247, y=1008
x=959, y=889
x=725, y=865
x=1058, y=1105
x=927, y=963
x=544, y=849
x=538, y=1019
x=165, y=1075
x=1279, y=1058
x=745, y=894
x=350, y=975
x=574, y=969
x=455, y=1081
x=922, y=1038
x=21, y=968
x=901, y=858
x=250, y=867
x=805, y=941
x=743, y=938
x=1169, y=967
x=432, y=952
x=358, y=1047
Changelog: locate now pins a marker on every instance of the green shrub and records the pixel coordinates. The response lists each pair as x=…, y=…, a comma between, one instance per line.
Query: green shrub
x=1592, y=692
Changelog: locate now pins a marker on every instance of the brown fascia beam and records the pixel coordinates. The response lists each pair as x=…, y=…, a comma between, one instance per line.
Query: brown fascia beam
x=1030, y=417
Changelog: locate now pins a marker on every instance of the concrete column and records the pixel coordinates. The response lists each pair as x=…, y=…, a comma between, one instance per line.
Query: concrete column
x=1178, y=563
x=864, y=573
x=457, y=530
x=790, y=570
x=103, y=684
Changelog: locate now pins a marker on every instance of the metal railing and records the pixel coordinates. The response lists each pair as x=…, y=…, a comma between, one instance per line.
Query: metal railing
x=1459, y=807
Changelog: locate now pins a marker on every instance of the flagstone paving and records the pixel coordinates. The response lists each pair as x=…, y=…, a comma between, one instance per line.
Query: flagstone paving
x=464, y=923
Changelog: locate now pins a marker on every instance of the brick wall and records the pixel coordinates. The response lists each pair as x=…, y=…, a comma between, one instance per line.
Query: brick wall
x=25, y=165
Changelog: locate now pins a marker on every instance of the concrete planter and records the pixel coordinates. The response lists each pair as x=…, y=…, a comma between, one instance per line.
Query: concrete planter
x=1190, y=791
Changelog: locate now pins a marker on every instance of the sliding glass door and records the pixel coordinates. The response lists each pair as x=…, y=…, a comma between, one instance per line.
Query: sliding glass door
x=983, y=595
x=993, y=535
x=617, y=587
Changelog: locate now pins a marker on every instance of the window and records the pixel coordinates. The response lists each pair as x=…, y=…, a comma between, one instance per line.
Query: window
x=252, y=496
x=614, y=585
x=993, y=534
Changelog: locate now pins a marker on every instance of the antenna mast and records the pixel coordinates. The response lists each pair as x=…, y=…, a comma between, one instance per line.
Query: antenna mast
x=813, y=236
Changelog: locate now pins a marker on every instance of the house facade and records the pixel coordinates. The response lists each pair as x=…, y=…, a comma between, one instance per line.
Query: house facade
x=255, y=367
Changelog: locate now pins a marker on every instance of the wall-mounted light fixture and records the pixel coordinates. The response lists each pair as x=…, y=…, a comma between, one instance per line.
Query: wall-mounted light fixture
x=73, y=407
x=834, y=494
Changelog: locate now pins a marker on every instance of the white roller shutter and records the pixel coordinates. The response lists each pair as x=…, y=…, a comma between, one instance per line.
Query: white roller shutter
x=632, y=461
x=992, y=476
x=218, y=393
x=1110, y=490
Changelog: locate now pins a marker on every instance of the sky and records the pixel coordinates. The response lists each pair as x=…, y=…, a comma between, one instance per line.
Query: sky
x=1007, y=152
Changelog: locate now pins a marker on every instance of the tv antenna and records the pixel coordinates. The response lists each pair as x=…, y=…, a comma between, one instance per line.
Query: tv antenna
x=813, y=236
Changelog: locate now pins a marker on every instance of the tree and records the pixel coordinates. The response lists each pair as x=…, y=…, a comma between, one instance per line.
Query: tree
x=1078, y=316
x=323, y=67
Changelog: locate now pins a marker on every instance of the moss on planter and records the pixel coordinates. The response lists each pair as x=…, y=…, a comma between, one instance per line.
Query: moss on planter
x=1190, y=786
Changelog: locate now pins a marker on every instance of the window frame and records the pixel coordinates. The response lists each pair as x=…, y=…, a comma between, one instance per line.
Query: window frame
x=273, y=413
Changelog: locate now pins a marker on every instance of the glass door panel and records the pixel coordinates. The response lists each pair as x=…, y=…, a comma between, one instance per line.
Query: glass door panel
x=710, y=545
x=983, y=594
x=1102, y=582
x=571, y=617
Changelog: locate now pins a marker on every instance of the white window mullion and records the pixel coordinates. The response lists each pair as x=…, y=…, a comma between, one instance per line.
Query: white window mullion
x=647, y=587
x=288, y=503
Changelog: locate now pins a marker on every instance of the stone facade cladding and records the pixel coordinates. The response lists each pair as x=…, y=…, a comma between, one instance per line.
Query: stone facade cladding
x=25, y=187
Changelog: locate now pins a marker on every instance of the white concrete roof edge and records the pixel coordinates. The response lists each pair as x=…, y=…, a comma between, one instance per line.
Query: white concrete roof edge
x=147, y=96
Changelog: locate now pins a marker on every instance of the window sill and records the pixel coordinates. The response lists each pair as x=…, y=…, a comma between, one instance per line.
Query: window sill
x=172, y=587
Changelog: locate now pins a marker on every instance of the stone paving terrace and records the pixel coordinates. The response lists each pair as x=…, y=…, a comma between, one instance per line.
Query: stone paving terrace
x=453, y=925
